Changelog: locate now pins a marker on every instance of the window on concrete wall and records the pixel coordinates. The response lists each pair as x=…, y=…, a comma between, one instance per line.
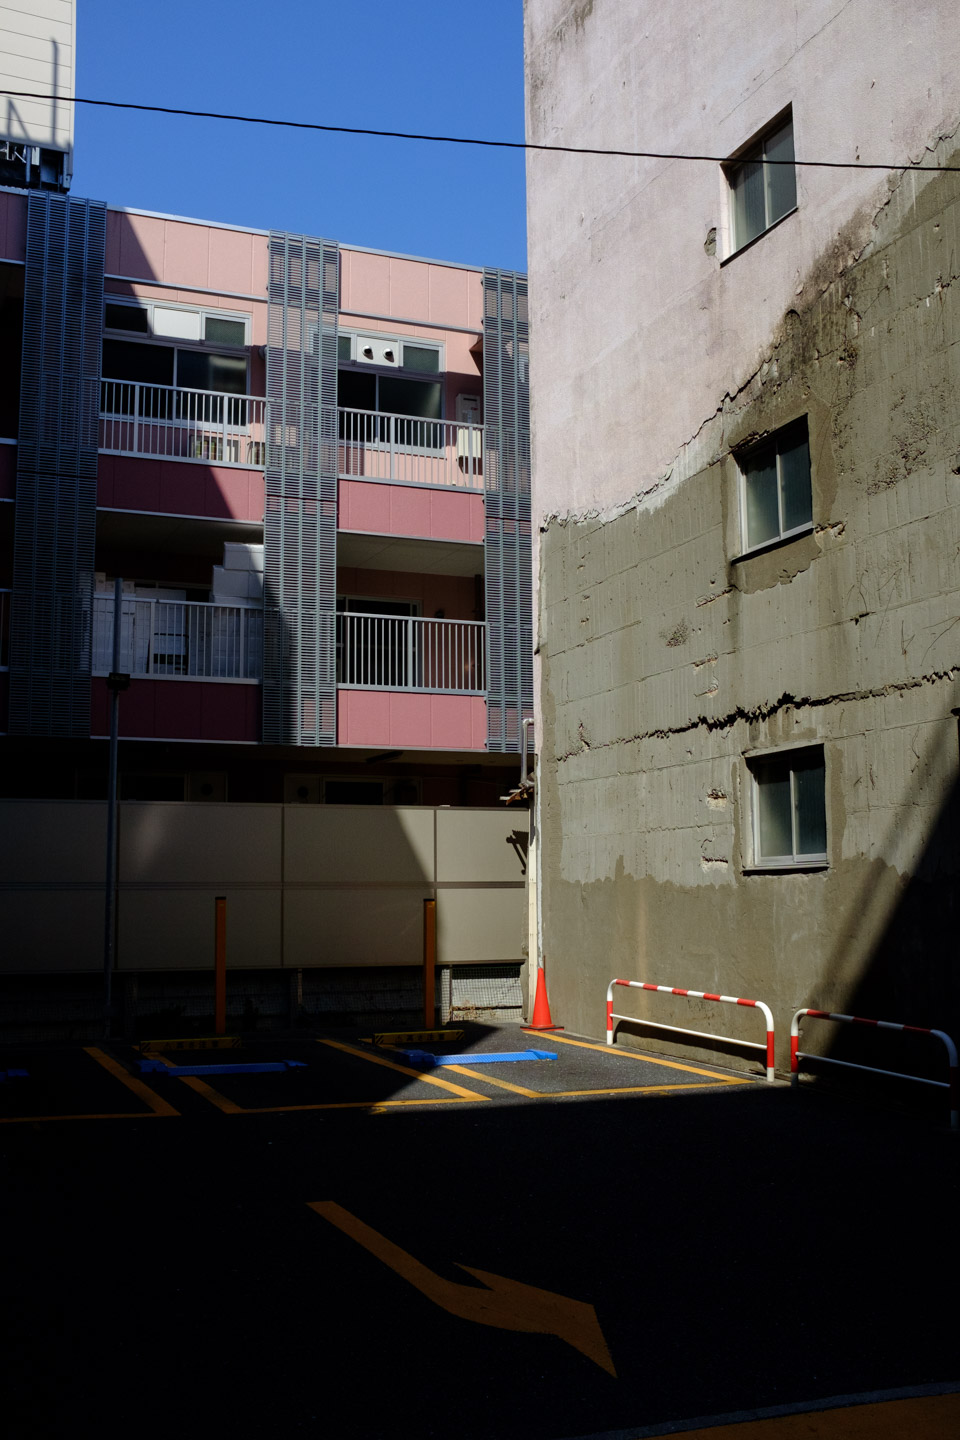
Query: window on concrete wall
x=763, y=183
x=776, y=498
x=788, y=791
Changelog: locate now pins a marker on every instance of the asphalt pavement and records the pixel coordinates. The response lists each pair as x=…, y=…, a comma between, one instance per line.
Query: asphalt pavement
x=362, y=1248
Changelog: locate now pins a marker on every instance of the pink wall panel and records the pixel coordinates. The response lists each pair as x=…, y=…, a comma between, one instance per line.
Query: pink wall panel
x=8, y=471
x=172, y=487
x=376, y=508
x=180, y=710
x=365, y=282
x=411, y=721
x=409, y=510
x=183, y=254
x=388, y=285
x=230, y=260
x=13, y=226
x=139, y=245
x=449, y=291
x=409, y=288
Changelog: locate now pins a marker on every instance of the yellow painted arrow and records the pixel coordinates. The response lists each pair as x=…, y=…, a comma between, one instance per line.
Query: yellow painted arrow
x=505, y=1304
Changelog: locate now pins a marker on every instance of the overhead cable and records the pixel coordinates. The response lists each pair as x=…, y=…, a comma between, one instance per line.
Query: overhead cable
x=468, y=140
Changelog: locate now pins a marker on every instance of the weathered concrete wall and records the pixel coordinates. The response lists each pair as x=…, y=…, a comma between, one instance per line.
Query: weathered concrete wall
x=664, y=657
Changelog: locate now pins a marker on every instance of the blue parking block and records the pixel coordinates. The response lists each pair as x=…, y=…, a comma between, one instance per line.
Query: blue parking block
x=482, y=1057
x=261, y=1067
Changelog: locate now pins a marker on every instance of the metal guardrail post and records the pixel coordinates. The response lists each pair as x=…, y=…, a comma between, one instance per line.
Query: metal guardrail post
x=952, y=1084
x=702, y=1034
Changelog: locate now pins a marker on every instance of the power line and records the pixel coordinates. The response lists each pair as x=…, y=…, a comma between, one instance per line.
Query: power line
x=464, y=140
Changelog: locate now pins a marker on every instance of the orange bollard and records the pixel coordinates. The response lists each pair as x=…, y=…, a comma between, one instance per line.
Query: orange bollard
x=220, y=967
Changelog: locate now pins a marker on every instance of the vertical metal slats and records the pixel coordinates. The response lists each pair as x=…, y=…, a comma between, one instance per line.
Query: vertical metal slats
x=55, y=527
x=300, y=521
x=507, y=534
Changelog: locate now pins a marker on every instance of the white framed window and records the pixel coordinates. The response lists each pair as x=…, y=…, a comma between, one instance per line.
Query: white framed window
x=789, y=812
x=170, y=347
x=762, y=182
x=425, y=357
x=392, y=375
x=223, y=328
x=776, y=495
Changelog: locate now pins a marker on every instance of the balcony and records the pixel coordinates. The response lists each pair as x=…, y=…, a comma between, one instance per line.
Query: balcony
x=205, y=427
x=401, y=652
x=408, y=450
x=179, y=639
x=188, y=640
x=199, y=426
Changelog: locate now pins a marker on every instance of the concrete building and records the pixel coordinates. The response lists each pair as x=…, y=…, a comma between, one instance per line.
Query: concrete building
x=746, y=508
x=307, y=464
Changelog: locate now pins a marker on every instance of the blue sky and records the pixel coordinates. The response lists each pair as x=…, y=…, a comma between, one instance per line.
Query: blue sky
x=435, y=66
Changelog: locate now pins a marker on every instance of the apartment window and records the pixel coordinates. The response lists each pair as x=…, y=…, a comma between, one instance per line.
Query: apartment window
x=776, y=499
x=176, y=322
x=789, y=807
x=368, y=378
x=763, y=183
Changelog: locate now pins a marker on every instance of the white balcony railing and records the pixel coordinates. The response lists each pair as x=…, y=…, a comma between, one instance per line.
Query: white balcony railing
x=409, y=450
x=210, y=428
x=179, y=638
x=399, y=652
x=199, y=425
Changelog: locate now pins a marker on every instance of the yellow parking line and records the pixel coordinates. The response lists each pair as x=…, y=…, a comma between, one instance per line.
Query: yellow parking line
x=500, y=1084
x=573, y=1094
x=636, y=1089
x=354, y=1105
x=647, y=1059
x=411, y=1074
x=157, y=1104
x=207, y=1091
x=90, y=1115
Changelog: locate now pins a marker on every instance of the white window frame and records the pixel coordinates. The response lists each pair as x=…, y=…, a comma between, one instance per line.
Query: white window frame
x=357, y=337
x=401, y=372
x=754, y=760
x=170, y=342
x=742, y=457
x=151, y=338
x=754, y=152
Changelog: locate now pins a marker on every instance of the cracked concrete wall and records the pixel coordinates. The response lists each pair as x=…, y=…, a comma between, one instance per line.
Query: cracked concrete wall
x=666, y=655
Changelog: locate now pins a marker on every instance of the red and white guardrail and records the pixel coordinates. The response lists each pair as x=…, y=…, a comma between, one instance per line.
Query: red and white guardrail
x=953, y=1084
x=703, y=1034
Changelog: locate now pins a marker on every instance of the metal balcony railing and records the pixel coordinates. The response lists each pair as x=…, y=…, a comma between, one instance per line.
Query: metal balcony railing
x=211, y=428
x=409, y=450
x=179, y=638
x=202, y=426
x=399, y=652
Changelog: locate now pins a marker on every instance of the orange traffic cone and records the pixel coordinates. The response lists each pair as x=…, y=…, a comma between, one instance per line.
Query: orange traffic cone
x=541, y=1006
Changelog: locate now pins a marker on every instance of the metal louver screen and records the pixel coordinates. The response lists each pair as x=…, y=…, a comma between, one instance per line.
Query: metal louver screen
x=507, y=535
x=55, y=526
x=300, y=520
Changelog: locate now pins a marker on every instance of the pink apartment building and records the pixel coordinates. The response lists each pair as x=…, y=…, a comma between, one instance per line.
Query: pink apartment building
x=309, y=466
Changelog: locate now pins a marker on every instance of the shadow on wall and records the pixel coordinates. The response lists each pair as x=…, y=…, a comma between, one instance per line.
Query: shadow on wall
x=895, y=957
